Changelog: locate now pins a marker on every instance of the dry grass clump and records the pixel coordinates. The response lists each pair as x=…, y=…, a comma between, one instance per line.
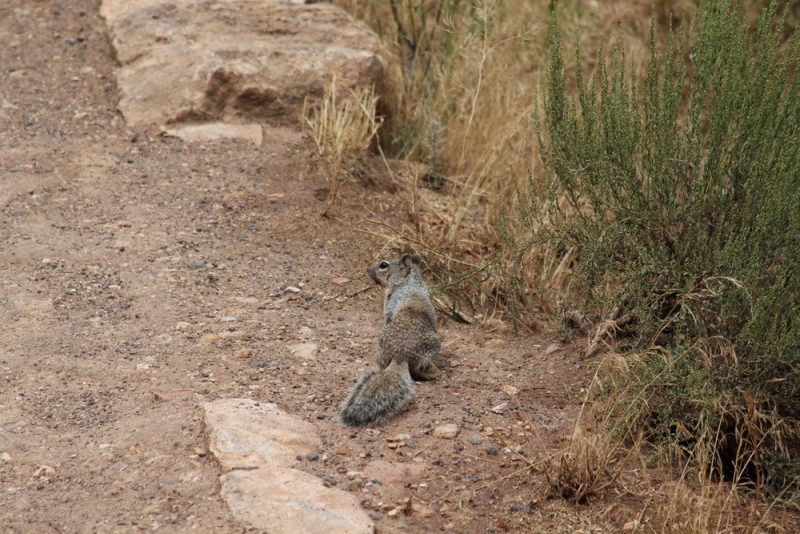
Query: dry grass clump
x=343, y=129
x=467, y=82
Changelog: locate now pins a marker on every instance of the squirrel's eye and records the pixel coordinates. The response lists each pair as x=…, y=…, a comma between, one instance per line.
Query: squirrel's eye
x=384, y=264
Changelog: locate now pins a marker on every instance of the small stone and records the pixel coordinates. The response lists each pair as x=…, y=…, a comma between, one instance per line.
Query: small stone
x=510, y=390
x=44, y=471
x=343, y=451
x=274, y=364
x=392, y=513
x=228, y=319
x=194, y=265
x=448, y=431
x=312, y=457
x=5, y=457
x=200, y=451
x=491, y=451
x=375, y=516
x=320, y=416
x=292, y=289
x=552, y=348
x=307, y=351
x=340, y=280
x=499, y=408
x=47, y=261
x=331, y=480
x=475, y=441
x=209, y=338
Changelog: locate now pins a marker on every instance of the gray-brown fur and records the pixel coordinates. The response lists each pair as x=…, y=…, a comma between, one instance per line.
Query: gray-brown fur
x=412, y=332
x=378, y=395
x=408, y=345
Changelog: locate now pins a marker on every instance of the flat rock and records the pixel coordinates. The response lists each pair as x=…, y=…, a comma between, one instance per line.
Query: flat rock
x=307, y=351
x=448, y=431
x=245, y=434
x=218, y=130
x=234, y=61
x=291, y=501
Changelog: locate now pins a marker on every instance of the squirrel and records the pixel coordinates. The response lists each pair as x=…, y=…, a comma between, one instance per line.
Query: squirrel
x=408, y=345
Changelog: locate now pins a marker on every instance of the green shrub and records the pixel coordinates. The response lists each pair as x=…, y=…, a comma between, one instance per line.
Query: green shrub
x=682, y=199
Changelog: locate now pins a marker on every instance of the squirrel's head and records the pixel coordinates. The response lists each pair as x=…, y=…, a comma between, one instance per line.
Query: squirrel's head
x=389, y=273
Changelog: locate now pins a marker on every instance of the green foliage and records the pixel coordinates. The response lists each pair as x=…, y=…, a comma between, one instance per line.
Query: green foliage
x=682, y=199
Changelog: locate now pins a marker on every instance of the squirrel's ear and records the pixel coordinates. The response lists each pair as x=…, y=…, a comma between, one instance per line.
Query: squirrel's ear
x=409, y=259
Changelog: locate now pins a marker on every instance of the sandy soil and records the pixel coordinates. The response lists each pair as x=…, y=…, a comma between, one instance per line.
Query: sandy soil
x=140, y=275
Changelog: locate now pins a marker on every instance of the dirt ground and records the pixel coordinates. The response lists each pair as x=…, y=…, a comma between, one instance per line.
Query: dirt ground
x=141, y=276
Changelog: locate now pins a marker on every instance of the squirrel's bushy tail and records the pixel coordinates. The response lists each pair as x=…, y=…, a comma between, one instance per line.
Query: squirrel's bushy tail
x=379, y=395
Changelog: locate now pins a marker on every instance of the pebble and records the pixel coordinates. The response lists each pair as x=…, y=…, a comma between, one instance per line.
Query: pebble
x=200, y=451
x=448, y=431
x=292, y=289
x=510, y=390
x=499, y=408
x=552, y=348
x=343, y=451
x=194, y=265
x=475, y=441
x=258, y=363
x=375, y=516
x=5, y=457
x=491, y=451
x=312, y=457
x=44, y=471
x=274, y=364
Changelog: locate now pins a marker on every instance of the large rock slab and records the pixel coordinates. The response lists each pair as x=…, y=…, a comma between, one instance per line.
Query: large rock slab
x=239, y=61
x=288, y=501
x=244, y=434
x=256, y=444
